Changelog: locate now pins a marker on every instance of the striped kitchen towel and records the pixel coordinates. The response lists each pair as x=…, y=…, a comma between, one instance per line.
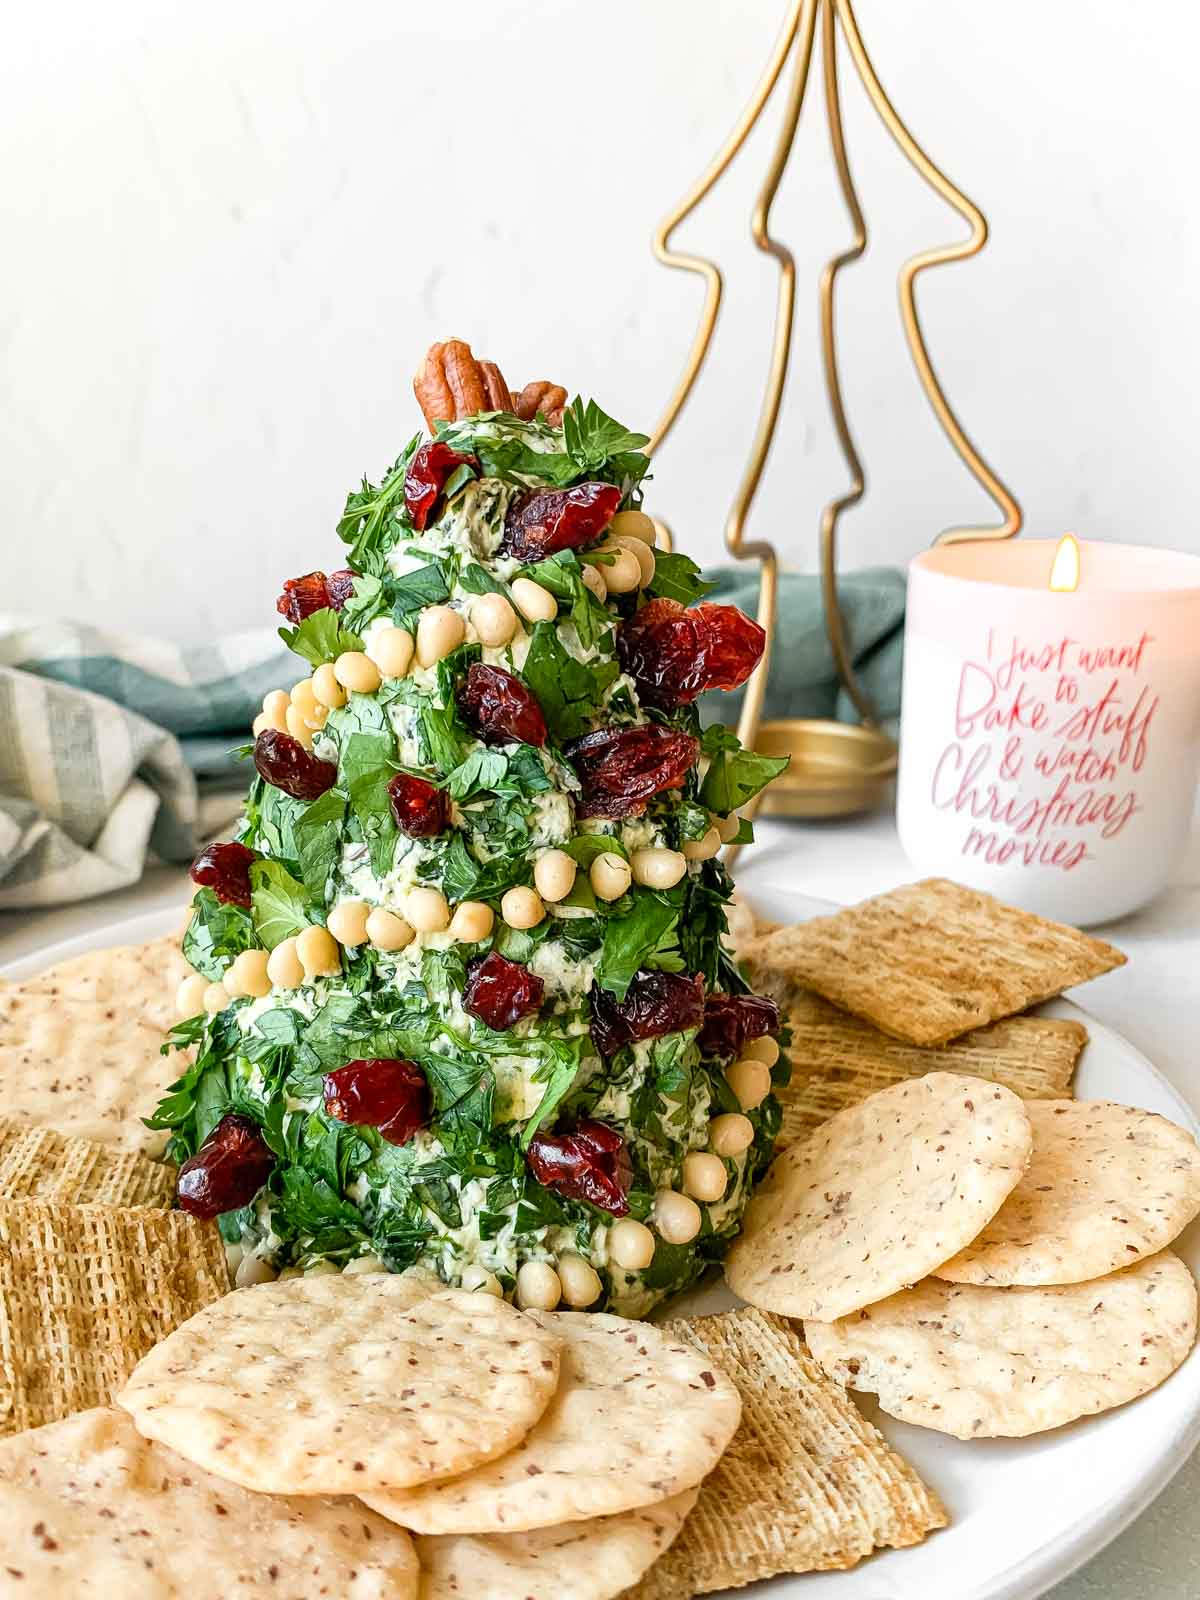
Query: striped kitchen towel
x=114, y=748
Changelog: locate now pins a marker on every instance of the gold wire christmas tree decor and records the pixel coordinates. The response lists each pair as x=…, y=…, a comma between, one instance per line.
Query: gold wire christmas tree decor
x=836, y=767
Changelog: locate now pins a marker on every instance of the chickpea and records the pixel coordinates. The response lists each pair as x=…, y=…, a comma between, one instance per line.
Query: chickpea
x=676, y=1216
x=478, y=1280
x=216, y=998
x=322, y=1269
x=189, y=997
x=298, y=728
x=630, y=1244
x=275, y=707
x=305, y=701
x=750, y=1080
x=554, y=874
x=538, y=1286
x=289, y=1272
x=347, y=922
x=357, y=672
x=730, y=1134
x=728, y=827
x=522, y=907
x=391, y=649
x=533, y=602
x=610, y=875
x=623, y=574
x=494, y=620
x=593, y=579
x=363, y=1264
x=658, y=868
x=387, y=931
x=327, y=689
x=642, y=554
x=254, y=1269
x=702, y=849
x=472, y=921
x=261, y=724
x=764, y=1049
x=704, y=1176
x=633, y=525
x=427, y=910
x=284, y=967
x=580, y=1281
x=318, y=952
x=439, y=631
x=247, y=975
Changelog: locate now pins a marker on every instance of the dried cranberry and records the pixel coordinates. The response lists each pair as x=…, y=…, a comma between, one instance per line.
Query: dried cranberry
x=426, y=478
x=302, y=596
x=340, y=587
x=732, y=1020
x=421, y=809
x=500, y=708
x=545, y=521
x=387, y=1094
x=284, y=762
x=500, y=992
x=621, y=768
x=655, y=1003
x=225, y=869
x=674, y=653
x=227, y=1171
x=590, y=1164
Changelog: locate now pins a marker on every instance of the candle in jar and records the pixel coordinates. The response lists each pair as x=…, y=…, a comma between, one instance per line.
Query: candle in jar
x=1051, y=721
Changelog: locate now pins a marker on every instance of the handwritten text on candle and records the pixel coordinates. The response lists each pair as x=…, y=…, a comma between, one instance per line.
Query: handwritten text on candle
x=1048, y=741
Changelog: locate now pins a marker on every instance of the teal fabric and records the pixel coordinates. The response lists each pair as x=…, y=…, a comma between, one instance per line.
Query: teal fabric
x=115, y=748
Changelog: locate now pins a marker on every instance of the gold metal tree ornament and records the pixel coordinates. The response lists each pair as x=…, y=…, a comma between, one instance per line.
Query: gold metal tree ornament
x=836, y=767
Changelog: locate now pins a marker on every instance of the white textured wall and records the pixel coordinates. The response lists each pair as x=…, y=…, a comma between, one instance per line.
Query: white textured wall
x=230, y=229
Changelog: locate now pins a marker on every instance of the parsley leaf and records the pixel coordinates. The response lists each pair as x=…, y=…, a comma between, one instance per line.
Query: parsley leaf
x=630, y=940
x=320, y=637
x=279, y=904
x=592, y=438
x=424, y=586
x=568, y=691
x=367, y=522
x=734, y=774
x=216, y=934
x=318, y=841
x=677, y=577
x=563, y=576
x=558, y=1070
x=483, y=770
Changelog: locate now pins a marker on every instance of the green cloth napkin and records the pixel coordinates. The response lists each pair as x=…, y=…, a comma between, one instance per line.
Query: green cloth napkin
x=115, y=748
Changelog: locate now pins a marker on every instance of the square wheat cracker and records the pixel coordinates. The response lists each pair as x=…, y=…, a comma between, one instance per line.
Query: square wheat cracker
x=838, y=1060
x=808, y=1484
x=39, y=1164
x=932, y=960
x=85, y=1292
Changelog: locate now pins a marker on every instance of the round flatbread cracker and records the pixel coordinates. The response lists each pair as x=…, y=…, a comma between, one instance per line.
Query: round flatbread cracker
x=89, y=1507
x=880, y=1195
x=1108, y=1184
x=335, y=1385
x=637, y=1418
x=583, y=1560
x=991, y=1363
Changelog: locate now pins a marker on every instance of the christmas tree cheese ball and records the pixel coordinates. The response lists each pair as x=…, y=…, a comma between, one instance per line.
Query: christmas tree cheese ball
x=461, y=1003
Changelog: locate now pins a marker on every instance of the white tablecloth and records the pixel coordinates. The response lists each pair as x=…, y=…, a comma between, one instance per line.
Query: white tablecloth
x=1154, y=1002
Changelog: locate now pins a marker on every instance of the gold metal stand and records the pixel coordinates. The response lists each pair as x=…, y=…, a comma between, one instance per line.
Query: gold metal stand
x=837, y=768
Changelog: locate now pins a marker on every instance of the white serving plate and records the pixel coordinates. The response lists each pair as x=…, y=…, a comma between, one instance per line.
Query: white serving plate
x=1024, y=1513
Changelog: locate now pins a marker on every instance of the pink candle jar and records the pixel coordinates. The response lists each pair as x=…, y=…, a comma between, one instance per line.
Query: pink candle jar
x=1050, y=737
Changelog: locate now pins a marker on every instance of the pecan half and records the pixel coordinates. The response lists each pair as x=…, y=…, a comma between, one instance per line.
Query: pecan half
x=451, y=384
x=548, y=398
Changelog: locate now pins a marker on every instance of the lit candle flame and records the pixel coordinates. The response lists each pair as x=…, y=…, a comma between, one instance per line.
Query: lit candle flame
x=1064, y=574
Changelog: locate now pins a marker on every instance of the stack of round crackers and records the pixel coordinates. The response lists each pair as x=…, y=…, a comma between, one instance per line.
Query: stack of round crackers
x=531, y=1454
x=985, y=1265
